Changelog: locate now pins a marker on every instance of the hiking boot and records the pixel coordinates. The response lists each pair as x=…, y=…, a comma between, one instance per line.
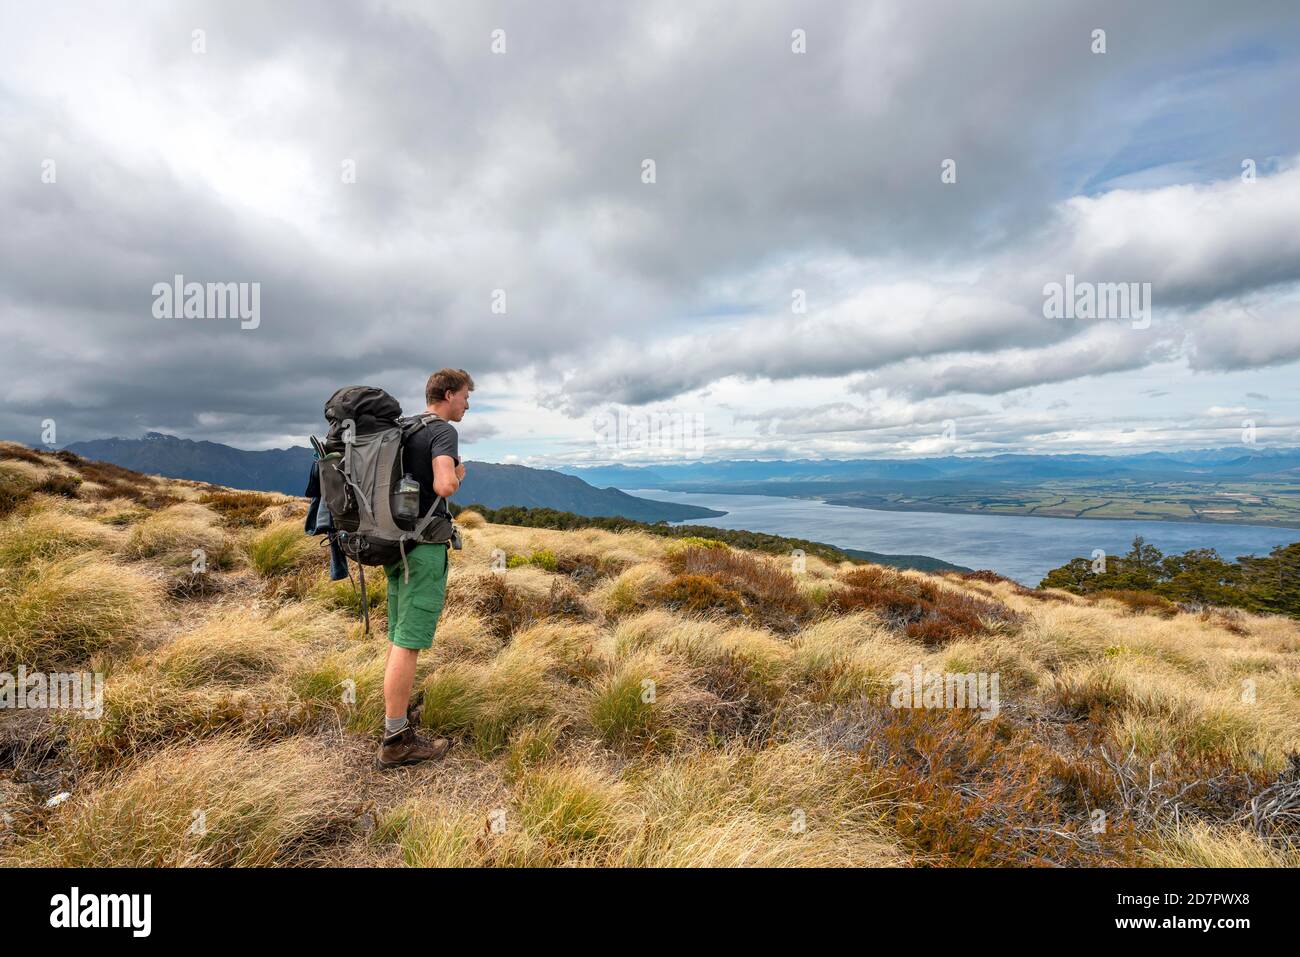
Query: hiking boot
x=407, y=747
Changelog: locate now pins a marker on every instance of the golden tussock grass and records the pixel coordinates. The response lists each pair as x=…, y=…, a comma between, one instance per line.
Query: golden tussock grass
x=648, y=700
x=62, y=612
x=610, y=708
x=1198, y=844
x=555, y=816
x=486, y=701
x=345, y=594
x=238, y=646
x=791, y=805
x=173, y=534
x=631, y=590
x=50, y=534
x=219, y=803
x=241, y=670
x=470, y=519
x=846, y=658
x=1184, y=685
x=144, y=713
x=347, y=683
x=281, y=549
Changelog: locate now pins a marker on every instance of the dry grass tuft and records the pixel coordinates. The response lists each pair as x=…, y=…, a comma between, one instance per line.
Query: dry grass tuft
x=65, y=611
x=794, y=805
x=648, y=700
x=281, y=550
x=1203, y=844
x=790, y=805
x=1141, y=602
x=174, y=534
x=470, y=519
x=219, y=803
x=50, y=534
x=489, y=700
x=632, y=591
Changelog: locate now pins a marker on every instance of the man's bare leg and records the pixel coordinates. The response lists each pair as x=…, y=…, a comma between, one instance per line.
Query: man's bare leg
x=399, y=678
x=400, y=744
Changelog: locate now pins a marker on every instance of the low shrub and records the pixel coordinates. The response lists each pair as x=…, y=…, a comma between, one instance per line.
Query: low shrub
x=700, y=594
x=503, y=608
x=543, y=558
x=918, y=607
x=61, y=484
x=238, y=509
x=971, y=793
x=1141, y=602
x=742, y=584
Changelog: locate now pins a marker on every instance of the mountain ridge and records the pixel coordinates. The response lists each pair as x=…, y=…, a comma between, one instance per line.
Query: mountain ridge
x=286, y=470
x=1196, y=463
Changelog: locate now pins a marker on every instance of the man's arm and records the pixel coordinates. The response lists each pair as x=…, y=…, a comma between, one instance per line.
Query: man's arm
x=447, y=470
x=446, y=475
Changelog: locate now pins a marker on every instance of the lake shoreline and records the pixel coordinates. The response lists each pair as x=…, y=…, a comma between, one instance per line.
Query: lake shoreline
x=948, y=510
x=1024, y=551
x=941, y=510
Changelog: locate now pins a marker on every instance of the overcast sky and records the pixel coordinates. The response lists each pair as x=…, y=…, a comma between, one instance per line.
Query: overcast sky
x=411, y=189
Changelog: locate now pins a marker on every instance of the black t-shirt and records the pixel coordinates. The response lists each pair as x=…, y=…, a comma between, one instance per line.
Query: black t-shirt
x=436, y=438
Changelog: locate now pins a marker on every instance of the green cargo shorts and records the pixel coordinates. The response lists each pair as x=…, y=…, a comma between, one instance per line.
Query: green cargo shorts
x=415, y=605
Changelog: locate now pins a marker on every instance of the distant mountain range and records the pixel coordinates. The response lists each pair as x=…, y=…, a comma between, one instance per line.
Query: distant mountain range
x=1237, y=463
x=286, y=470
x=1241, y=485
x=272, y=470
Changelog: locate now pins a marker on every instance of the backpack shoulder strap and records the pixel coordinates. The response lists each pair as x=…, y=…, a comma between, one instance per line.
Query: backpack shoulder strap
x=410, y=427
x=416, y=423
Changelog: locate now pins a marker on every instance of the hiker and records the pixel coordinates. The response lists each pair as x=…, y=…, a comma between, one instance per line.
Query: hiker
x=417, y=588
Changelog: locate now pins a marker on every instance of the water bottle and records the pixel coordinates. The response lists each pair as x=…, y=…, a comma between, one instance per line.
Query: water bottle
x=406, y=500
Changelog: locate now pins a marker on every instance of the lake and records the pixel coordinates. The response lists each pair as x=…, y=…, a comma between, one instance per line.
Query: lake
x=1016, y=546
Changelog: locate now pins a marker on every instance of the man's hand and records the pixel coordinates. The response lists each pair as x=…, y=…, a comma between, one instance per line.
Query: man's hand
x=460, y=472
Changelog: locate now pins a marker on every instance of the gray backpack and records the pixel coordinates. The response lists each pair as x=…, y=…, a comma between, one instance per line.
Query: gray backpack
x=361, y=464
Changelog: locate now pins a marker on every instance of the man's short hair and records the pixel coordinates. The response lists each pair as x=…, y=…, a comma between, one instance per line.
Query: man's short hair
x=444, y=381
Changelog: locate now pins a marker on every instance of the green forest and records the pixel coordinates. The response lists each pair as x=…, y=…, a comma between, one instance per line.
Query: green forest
x=1269, y=583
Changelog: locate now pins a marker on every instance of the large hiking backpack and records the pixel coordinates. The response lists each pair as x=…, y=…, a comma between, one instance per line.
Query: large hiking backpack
x=362, y=463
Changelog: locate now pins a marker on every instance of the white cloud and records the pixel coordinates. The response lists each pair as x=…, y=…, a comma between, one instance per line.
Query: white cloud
x=521, y=172
x=1204, y=250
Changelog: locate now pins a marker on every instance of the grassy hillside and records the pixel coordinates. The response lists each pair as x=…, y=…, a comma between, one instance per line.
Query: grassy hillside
x=616, y=698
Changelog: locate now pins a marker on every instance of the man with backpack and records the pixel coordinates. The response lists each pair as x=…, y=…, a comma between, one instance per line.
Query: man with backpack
x=383, y=479
x=417, y=586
